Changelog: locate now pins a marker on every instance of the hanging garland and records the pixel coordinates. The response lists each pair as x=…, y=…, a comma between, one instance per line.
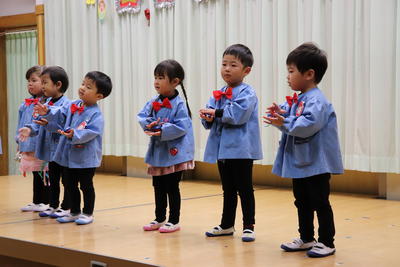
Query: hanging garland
x=127, y=6
x=163, y=3
x=90, y=2
x=101, y=10
x=199, y=1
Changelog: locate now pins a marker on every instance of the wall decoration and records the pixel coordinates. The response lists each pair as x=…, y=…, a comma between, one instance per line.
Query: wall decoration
x=164, y=3
x=128, y=6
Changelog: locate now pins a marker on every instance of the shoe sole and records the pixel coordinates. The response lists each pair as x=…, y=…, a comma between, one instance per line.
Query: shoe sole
x=82, y=223
x=287, y=249
x=248, y=239
x=44, y=215
x=214, y=235
x=315, y=255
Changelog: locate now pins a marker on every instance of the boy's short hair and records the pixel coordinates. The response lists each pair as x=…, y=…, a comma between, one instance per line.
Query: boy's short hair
x=241, y=52
x=35, y=69
x=308, y=56
x=102, y=81
x=57, y=74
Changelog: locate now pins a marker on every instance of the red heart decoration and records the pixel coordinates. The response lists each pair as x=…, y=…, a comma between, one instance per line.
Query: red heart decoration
x=173, y=151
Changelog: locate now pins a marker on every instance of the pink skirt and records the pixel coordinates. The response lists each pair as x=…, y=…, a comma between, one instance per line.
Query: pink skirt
x=158, y=171
x=31, y=164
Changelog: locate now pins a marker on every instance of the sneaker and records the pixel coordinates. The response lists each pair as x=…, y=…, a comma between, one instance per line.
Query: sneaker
x=41, y=207
x=218, y=231
x=152, y=226
x=320, y=250
x=47, y=212
x=169, y=228
x=68, y=218
x=297, y=245
x=29, y=207
x=84, y=219
x=59, y=213
x=248, y=235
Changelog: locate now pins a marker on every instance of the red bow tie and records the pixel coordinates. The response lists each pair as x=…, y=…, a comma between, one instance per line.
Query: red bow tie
x=292, y=100
x=51, y=103
x=165, y=103
x=75, y=108
x=218, y=94
x=30, y=101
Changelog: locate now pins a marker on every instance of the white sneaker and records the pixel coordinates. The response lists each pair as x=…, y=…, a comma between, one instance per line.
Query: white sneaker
x=152, y=226
x=169, y=228
x=297, y=245
x=68, y=218
x=218, y=231
x=84, y=219
x=248, y=235
x=59, y=213
x=29, y=207
x=47, y=212
x=320, y=250
x=41, y=207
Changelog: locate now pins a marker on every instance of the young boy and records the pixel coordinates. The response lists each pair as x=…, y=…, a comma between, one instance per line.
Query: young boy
x=80, y=146
x=234, y=140
x=309, y=149
x=55, y=83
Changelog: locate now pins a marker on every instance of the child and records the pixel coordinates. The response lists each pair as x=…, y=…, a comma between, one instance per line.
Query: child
x=167, y=120
x=80, y=146
x=234, y=140
x=28, y=160
x=55, y=83
x=309, y=149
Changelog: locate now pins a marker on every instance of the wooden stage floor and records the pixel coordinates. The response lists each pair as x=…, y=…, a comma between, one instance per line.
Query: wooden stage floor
x=368, y=229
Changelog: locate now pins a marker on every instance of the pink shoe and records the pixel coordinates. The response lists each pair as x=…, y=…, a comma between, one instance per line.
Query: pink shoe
x=169, y=228
x=152, y=226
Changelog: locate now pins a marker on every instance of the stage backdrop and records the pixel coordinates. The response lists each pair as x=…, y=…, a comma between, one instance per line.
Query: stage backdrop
x=362, y=39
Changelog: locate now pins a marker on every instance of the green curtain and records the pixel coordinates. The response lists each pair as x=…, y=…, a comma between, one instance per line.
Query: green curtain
x=21, y=53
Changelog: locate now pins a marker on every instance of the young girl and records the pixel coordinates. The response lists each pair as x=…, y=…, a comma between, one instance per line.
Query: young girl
x=29, y=163
x=167, y=120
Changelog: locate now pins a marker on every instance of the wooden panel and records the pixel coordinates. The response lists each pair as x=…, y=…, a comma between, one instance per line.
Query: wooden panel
x=3, y=108
x=17, y=21
x=40, y=30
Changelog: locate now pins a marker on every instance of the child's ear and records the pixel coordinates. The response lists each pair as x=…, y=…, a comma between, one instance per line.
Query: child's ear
x=99, y=96
x=175, y=82
x=309, y=74
x=247, y=70
x=58, y=85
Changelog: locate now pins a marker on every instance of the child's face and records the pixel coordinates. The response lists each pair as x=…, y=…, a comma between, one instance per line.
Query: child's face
x=50, y=89
x=164, y=86
x=233, y=71
x=88, y=92
x=35, y=87
x=299, y=81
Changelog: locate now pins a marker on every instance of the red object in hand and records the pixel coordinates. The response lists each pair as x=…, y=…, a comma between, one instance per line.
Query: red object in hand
x=147, y=14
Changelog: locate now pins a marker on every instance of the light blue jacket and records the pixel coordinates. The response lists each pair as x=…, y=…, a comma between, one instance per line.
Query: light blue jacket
x=309, y=145
x=176, y=143
x=84, y=150
x=26, y=116
x=235, y=135
x=47, y=136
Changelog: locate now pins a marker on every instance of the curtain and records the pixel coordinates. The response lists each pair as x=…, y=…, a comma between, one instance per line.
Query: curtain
x=21, y=54
x=361, y=38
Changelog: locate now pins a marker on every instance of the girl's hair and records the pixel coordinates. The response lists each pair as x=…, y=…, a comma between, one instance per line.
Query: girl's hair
x=172, y=69
x=35, y=69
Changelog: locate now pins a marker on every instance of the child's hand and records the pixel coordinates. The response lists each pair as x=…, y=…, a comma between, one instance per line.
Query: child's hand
x=153, y=124
x=149, y=133
x=24, y=133
x=274, y=108
x=69, y=133
x=41, y=122
x=41, y=109
x=274, y=119
x=207, y=114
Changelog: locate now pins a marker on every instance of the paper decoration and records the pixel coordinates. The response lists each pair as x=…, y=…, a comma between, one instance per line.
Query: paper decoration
x=90, y=2
x=147, y=15
x=101, y=10
x=164, y=3
x=199, y=1
x=126, y=6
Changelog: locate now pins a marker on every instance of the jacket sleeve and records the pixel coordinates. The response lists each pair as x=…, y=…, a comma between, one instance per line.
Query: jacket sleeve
x=238, y=111
x=313, y=118
x=56, y=117
x=179, y=126
x=211, y=105
x=20, y=111
x=144, y=116
x=93, y=129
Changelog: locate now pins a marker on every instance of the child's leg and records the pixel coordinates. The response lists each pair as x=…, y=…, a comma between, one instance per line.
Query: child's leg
x=320, y=199
x=86, y=183
x=243, y=170
x=40, y=191
x=73, y=189
x=54, y=175
x=305, y=211
x=66, y=203
x=160, y=197
x=230, y=193
x=174, y=196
